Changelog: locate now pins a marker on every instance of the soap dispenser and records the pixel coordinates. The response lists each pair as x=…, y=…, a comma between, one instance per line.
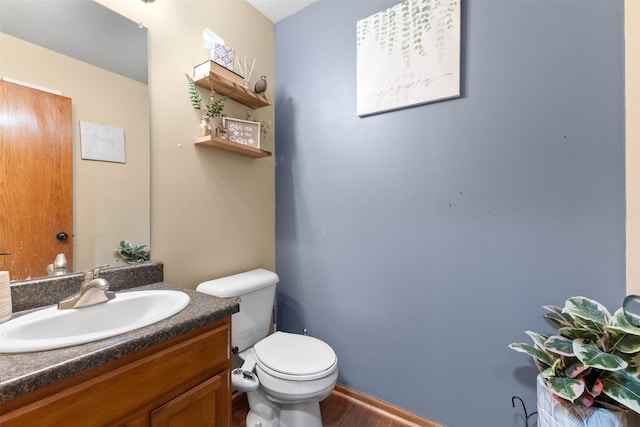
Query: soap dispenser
x=5, y=296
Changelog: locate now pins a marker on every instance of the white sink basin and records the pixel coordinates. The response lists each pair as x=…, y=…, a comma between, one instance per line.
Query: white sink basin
x=50, y=328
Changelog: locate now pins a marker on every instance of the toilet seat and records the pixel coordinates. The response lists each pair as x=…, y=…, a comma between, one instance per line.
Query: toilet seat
x=295, y=357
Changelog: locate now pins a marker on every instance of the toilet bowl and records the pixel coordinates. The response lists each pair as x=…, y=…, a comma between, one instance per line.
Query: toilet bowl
x=284, y=375
x=295, y=368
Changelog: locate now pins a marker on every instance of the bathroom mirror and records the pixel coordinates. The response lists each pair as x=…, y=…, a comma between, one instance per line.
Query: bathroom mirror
x=98, y=58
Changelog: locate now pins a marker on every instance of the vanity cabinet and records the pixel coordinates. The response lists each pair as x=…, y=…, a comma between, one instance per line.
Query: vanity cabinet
x=184, y=381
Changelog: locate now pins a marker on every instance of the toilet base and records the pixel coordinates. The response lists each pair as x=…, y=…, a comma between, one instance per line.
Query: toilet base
x=266, y=413
x=300, y=414
x=254, y=420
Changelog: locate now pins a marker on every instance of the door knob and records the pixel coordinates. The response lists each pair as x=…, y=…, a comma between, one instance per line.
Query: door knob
x=62, y=236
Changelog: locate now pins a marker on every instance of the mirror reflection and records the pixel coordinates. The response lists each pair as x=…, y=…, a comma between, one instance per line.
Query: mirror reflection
x=82, y=51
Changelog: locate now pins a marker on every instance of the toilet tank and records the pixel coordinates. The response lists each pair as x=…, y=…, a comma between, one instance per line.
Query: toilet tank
x=256, y=290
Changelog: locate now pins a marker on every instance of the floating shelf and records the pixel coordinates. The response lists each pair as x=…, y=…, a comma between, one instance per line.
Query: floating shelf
x=235, y=91
x=233, y=147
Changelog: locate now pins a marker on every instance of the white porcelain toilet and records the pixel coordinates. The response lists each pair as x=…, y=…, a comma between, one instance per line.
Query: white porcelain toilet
x=285, y=375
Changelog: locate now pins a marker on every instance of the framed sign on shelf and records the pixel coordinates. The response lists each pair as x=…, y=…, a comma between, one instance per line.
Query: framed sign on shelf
x=242, y=132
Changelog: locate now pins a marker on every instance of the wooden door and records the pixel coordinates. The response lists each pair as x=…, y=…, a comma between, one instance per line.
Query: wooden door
x=36, y=180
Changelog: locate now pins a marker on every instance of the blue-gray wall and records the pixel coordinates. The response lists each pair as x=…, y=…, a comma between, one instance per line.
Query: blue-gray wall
x=419, y=243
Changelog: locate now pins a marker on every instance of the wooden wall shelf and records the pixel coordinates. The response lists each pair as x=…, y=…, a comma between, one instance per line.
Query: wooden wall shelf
x=233, y=147
x=235, y=91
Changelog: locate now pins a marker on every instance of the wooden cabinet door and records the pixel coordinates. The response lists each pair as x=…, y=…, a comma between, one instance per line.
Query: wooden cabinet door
x=36, y=179
x=204, y=405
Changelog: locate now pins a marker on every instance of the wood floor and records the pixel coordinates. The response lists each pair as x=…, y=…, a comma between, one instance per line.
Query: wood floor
x=336, y=412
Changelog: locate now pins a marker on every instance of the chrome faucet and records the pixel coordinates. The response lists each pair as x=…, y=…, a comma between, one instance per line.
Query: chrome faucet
x=93, y=290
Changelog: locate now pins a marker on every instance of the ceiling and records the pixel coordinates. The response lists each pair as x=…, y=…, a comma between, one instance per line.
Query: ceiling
x=277, y=10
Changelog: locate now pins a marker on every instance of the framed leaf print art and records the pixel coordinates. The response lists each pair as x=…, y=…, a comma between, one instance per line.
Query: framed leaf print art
x=408, y=55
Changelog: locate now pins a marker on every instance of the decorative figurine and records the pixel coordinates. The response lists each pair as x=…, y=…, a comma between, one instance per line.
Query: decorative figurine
x=261, y=85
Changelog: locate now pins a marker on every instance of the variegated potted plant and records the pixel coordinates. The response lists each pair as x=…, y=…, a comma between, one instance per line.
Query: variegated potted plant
x=590, y=367
x=133, y=254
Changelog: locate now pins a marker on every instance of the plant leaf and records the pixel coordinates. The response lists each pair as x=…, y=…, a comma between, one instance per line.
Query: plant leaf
x=131, y=254
x=557, y=369
x=584, y=401
x=537, y=338
x=567, y=388
x=575, y=369
x=579, y=333
x=553, y=309
x=597, y=387
x=559, y=345
x=558, y=321
x=619, y=319
x=194, y=93
x=558, y=311
x=591, y=356
x=620, y=324
x=549, y=372
x=542, y=356
x=587, y=309
x=631, y=302
x=595, y=327
x=623, y=388
x=556, y=318
x=623, y=341
x=634, y=365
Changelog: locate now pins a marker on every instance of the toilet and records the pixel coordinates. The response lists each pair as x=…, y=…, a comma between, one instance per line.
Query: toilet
x=284, y=375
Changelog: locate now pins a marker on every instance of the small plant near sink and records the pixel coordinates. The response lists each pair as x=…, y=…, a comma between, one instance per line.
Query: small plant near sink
x=133, y=254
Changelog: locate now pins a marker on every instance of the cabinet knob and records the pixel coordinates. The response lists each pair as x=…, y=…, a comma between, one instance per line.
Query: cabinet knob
x=62, y=236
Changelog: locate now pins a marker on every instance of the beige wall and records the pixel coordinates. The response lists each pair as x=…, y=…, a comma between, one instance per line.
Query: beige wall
x=212, y=213
x=111, y=200
x=632, y=59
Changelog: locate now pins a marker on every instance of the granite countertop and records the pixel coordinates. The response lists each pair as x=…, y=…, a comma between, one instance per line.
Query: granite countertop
x=22, y=373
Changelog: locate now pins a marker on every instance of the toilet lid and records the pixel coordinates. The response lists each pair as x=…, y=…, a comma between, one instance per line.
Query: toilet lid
x=294, y=355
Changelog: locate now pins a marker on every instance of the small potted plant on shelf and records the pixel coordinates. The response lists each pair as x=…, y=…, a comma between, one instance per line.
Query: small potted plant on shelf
x=212, y=109
x=133, y=254
x=590, y=367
